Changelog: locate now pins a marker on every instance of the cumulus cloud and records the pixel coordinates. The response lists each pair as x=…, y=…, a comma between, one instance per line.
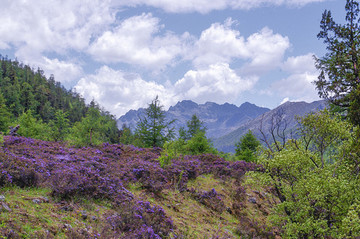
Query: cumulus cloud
x=205, y=6
x=217, y=83
x=263, y=50
x=298, y=86
x=219, y=43
x=63, y=71
x=137, y=41
x=298, y=64
x=266, y=50
x=35, y=27
x=119, y=91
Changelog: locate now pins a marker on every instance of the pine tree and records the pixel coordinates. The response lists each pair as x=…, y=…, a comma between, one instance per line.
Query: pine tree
x=152, y=129
x=246, y=148
x=194, y=126
x=5, y=115
x=339, y=79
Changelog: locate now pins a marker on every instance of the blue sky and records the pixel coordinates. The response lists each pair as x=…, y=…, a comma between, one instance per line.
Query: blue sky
x=124, y=53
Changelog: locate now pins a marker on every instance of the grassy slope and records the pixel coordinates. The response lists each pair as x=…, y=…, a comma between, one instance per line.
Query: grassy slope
x=32, y=216
x=65, y=219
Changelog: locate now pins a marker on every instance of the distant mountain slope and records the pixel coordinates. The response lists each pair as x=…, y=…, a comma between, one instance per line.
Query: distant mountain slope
x=219, y=119
x=288, y=111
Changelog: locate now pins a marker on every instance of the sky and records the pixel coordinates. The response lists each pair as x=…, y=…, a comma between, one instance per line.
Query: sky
x=124, y=53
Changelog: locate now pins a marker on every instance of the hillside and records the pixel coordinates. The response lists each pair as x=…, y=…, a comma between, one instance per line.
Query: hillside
x=49, y=190
x=218, y=119
x=44, y=109
x=286, y=111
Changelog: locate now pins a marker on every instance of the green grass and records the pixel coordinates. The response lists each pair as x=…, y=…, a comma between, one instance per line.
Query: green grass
x=44, y=220
x=191, y=218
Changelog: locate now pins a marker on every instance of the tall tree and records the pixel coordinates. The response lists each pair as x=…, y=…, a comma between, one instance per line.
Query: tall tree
x=246, y=148
x=339, y=79
x=153, y=129
x=59, y=126
x=194, y=126
x=89, y=131
x=5, y=115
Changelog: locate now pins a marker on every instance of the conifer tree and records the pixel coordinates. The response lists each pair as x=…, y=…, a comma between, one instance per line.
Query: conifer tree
x=194, y=126
x=152, y=129
x=339, y=79
x=246, y=148
x=5, y=115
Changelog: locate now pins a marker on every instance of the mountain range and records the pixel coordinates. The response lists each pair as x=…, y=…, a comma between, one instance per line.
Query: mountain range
x=219, y=120
x=226, y=123
x=283, y=115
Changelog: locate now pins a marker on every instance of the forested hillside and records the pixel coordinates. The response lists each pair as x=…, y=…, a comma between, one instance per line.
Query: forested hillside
x=24, y=88
x=43, y=107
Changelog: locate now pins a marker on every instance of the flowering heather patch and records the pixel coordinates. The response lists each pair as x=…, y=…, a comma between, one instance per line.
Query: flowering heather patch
x=105, y=171
x=210, y=199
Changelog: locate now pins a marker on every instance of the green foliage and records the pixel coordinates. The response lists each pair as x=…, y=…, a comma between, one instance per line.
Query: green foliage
x=89, y=131
x=246, y=148
x=1, y=139
x=59, y=126
x=152, y=129
x=339, y=68
x=193, y=127
x=31, y=127
x=318, y=198
x=324, y=133
x=199, y=144
x=5, y=115
x=126, y=136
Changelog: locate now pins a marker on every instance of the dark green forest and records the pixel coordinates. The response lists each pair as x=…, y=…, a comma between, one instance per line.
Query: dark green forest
x=44, y=109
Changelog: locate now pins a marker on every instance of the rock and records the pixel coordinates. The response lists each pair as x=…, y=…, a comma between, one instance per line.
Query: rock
x=5, y=207
x=36, y=201
x=229, y=210
x=67, y=226
x=2, y=198
x=252, y=200
x=13, y=130
x=83, y=215
x=44, y=199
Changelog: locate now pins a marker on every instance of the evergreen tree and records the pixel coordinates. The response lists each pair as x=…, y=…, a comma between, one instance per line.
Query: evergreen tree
x=193, y=127
x=5, y=115
x=89, y=131
x=339, y=79
x=126, y=136
x=59, y=126
x=199, y=144
x=246, y=148
x=152, y=129
x=31, y=127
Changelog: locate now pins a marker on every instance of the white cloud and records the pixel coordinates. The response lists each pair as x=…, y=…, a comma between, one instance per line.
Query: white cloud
x=217, y=83
x=266, y=50
x=205, y=6
x=286, y=99
x=36, y=27
x=63, y=71
x=262, y=50
x=219, y=43
x=298, y=64
x=298, y=86
x=249, y=4
x=119, y=91
x=137, y=41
